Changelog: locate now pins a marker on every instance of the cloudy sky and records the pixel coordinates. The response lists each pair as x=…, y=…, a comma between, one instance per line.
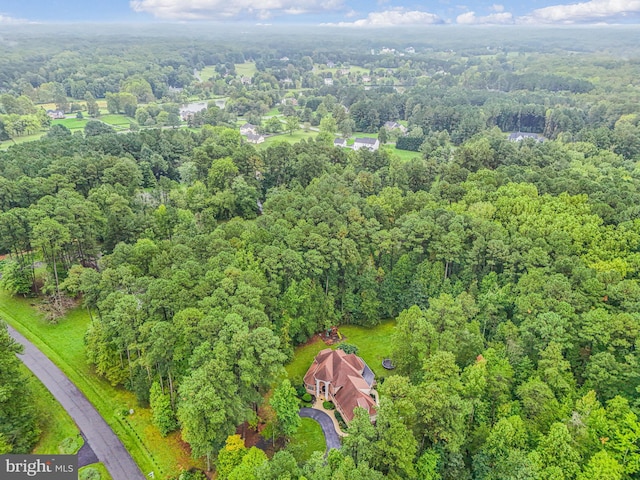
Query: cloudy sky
x=347, y=13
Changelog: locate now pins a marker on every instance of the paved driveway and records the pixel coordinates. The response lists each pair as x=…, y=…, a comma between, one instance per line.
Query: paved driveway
x=106, y=445
x=330, y=435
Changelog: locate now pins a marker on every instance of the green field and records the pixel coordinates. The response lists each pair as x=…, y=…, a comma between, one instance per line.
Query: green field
x=63, y=343
x=71, y=123
x=117, y=120
x=27, y=138
x=54, y=422
x=246, y=69
x=404, y=155
x=207, y=72
x=285, y=137
x=374, y=343
x=307, y=439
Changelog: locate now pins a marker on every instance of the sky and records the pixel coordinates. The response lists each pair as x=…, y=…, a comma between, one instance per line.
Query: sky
x=344, y=13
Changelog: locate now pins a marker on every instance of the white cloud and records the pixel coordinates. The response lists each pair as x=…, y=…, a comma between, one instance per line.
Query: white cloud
x=470, y=18
x=6, y=19
x=225, y=9
x=391, y=18
x=496, y=7
x=584, y=12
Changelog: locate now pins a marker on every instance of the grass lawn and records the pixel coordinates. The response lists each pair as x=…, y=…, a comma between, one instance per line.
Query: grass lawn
x=117, y=120
x=272, y=113
x=308, y=439
x=247, y=69
x=285, y=137
x=63, y=343
x=27, y=138
x=207, y=72
x=71, y=123
x=374, y=343
x=104, y=475
x=404, y=155
x=302, y=358
x=54, y=421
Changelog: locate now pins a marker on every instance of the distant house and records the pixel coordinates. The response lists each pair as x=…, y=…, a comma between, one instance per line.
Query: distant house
x=331, y=64
x=284, y=59
x=366, y=78
x=344, y=71
x=519, y=136
x=340, y=142
x=245, y=80
x=371, y=143
x=328, y=81
x=247, y=128
x=410, y=50
x=289, y=101
x=185, y=115
x=55, y=114
x=254, y=138
x=344, y=379
x=395, y=126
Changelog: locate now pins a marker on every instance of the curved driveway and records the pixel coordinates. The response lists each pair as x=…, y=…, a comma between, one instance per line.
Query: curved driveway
x=330, y=434
x=107, y=447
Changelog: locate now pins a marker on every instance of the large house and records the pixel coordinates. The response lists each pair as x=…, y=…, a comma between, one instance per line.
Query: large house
x=254, y=138
x=520, y=136
x=247, y=128
x=344, y=379
x=371, y=143
x=395, y=126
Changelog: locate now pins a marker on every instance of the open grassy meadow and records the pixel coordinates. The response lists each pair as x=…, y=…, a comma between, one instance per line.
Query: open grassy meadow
x=246, y=69
x=207, y=72
x=71, y=123
x=285, y=137
x=63, y=343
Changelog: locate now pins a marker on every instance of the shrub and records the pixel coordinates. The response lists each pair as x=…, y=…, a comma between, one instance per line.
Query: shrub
x=341, y=422
x=307, y=404
x=306, y=397
x=301, y=391
x=71, y=445
x=328, y=405
x=348, y=348
x=89, y=473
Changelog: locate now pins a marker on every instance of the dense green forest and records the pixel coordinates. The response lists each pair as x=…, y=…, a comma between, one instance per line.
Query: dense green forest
x=512, y=268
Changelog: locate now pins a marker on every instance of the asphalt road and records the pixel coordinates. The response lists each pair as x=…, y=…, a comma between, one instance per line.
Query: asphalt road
x=330, y=434
x=106, y=445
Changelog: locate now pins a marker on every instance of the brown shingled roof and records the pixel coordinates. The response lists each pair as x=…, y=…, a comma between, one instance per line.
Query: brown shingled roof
x=346, y=385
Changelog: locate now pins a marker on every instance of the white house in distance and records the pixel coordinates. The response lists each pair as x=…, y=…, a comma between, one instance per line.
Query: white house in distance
x=395, y=126
x=370, y=143
x=328, y=81
x=247, y=129
x=520, y=136
x=254, y=138
x=340, y=142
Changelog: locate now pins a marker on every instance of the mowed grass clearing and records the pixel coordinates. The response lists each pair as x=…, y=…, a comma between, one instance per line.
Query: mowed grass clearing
x=63, y=343
x=53, y=420
x=246, y=69
x=374, y=345
x=207, y=72
x=71, y=123
x=285, y=137
x=306, y=440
